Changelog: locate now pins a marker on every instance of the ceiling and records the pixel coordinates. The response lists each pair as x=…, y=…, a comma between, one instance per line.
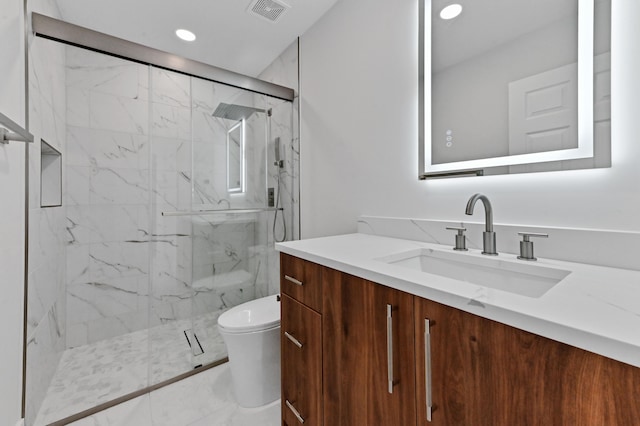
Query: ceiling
x=227, y=36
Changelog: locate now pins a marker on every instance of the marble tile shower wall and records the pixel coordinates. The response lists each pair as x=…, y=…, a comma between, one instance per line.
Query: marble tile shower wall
x=189, y=251
x=107, y=196
x=131, y=131
x=46, y=264
x=170, y=237
x=224, y=269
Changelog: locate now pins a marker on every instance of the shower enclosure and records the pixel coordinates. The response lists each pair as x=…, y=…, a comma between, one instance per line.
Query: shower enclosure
x=171, y=183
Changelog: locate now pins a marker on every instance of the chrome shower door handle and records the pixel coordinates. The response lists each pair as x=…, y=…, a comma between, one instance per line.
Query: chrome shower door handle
x=427, y=368
x=390, y=348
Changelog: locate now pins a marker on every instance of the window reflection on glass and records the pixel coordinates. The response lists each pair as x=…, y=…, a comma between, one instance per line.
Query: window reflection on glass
x=235, y=158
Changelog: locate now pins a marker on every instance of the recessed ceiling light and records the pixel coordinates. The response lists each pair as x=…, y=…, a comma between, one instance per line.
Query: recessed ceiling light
x=185, y=35
x=451, y=11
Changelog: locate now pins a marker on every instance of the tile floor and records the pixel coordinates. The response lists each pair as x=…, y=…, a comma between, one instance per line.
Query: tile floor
x=100, y=372
x=205, y=399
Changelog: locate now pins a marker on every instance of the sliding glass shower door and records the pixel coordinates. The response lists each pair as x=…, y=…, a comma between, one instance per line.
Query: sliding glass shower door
x=169, y=195
x=232, y=183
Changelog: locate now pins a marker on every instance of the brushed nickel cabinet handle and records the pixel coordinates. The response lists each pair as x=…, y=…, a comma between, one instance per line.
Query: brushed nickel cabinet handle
x=293, y=280
x=293, y=339
x=294, y=411
x=390, y=348
x=427, y=368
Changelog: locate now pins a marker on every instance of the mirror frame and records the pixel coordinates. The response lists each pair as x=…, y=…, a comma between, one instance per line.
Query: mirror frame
x=585, y=149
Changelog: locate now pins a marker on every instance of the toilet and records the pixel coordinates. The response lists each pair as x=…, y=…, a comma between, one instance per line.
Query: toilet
x=251, y=332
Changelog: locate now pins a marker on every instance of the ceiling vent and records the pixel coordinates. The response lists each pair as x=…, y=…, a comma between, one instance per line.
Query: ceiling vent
x=271, y=10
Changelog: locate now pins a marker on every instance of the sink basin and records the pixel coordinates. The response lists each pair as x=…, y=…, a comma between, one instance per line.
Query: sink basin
x=525, y=279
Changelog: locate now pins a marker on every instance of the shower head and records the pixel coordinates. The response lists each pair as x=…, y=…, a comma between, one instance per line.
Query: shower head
x=234, y=112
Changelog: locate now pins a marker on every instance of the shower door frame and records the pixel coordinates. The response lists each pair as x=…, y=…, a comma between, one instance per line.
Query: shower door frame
x=64, y=32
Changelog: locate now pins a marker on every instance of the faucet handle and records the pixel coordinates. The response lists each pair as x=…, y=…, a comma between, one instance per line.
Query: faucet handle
x=526, y=245
x=461, y=243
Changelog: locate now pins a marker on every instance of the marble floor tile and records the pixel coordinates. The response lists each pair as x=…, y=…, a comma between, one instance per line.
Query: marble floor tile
x=205, y=399
x=133, y=412
x=93, y=374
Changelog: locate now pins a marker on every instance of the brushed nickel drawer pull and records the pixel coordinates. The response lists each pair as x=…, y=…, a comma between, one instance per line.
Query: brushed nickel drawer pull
x=427, y=367
x=293, y=339
x=294, y=411
x=390, y=348
x=293, y=280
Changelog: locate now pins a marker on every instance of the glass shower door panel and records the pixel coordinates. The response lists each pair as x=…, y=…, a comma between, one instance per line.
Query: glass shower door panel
x=102, y=302
x=229, y=169
x=171, y=332
x=282, y=175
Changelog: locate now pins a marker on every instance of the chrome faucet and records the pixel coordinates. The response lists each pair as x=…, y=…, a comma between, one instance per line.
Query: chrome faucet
x=488, y=236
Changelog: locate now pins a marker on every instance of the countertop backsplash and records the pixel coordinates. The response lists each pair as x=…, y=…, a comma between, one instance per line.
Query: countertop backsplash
x=618, y=249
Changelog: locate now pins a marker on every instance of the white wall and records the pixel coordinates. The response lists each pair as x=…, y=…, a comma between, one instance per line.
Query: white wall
x=12, y=172
x=359, y=93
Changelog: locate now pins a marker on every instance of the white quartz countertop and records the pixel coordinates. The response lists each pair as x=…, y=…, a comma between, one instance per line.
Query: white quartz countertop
x=594, y=308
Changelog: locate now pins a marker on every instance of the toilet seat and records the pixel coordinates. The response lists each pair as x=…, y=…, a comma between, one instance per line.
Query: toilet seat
x=256, y=315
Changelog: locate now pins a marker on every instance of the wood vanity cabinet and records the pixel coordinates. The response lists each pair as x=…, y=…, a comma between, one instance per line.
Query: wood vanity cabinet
x=480, y=372
x=368, y=366
x=355, y=329
x=487, y=373
x=301, y=341
x=301, y=332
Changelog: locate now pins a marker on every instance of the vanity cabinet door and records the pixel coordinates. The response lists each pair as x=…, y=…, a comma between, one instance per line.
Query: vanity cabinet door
x=301, y=351
x=450, y=357
x=487, y=373
x=368, y=353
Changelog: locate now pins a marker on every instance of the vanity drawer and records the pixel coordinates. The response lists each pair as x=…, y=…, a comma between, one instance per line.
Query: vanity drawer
x=302, y=280
x=301, y=342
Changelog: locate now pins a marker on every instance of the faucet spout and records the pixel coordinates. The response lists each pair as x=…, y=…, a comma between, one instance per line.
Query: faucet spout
x=488, y=236
x=488, y=210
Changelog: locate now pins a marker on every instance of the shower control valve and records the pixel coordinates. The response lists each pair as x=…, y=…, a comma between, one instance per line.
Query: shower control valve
x=461, y=244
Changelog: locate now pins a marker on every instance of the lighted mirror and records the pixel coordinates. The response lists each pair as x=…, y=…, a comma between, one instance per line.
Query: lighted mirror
x=513, y=86
x=235, y=158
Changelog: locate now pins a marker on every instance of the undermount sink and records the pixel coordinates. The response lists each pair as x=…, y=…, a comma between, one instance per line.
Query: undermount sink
x=525, y=279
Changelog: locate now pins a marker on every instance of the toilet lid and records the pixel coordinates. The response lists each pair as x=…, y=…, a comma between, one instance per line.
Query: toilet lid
x=259, y=314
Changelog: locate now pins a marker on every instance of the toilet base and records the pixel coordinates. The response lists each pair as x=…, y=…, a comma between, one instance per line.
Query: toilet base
x=254, y=360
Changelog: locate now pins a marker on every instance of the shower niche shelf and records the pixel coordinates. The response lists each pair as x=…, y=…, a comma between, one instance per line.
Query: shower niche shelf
x=50, y=176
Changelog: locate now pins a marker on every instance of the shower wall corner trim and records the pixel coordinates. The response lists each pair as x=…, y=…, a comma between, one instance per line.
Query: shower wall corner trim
x=64, y=32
